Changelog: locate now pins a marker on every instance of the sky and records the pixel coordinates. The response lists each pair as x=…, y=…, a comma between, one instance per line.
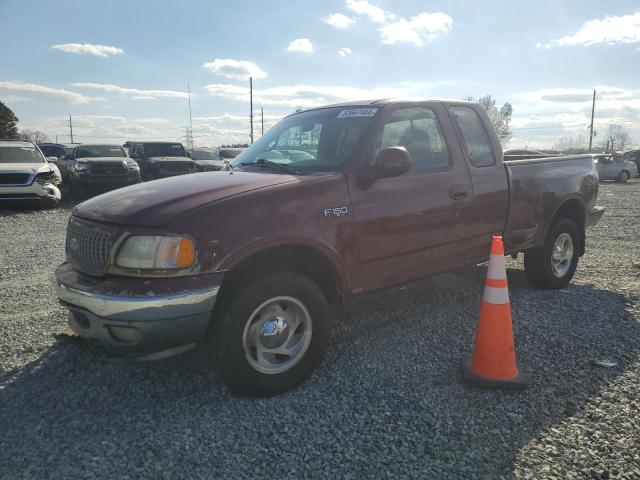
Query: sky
x=121, y=69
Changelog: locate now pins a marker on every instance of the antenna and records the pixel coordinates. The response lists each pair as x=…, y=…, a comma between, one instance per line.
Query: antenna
x=251, y=105
x=190, y=119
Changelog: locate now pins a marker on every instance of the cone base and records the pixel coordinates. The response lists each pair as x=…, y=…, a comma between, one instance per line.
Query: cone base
x=516, y=383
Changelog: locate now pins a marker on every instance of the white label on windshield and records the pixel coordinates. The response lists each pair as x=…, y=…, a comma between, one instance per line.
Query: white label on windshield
x=358, y=112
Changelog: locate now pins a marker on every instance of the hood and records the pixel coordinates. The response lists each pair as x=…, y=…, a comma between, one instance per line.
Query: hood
x=169, y=159
x=23, y=167
x=102, y=159
x=215, y=163
x=156, y=203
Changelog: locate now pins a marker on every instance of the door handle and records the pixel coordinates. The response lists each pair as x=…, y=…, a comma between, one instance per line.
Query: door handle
x=458, y=192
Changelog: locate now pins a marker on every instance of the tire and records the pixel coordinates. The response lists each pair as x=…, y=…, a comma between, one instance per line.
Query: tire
x=623, y=176
x=539, y=262
x=232, y=348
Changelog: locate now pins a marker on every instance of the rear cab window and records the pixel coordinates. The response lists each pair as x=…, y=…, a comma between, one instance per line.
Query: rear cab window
x=417, y=129
x=474, y=135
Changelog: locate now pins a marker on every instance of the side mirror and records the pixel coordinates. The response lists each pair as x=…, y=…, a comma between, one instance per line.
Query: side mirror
x=52, y=159
x=189, y=154
x=391, y=162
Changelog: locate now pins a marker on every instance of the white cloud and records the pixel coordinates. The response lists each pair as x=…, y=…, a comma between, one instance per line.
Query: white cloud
x=88, y=49
x=344, y=52
x=611, y=30
x=310, y=95
x=375, y=14
x=415, y=31
x=133, y=93
x=34, y=89
x=302, y=45
x=237, y=69
x=339, y=21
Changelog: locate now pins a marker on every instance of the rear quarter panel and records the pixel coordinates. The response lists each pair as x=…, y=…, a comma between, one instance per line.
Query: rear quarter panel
x=539, y=187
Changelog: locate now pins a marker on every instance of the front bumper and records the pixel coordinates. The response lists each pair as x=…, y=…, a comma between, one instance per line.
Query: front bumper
x=47, y=192
x=138, y=317
x=107, y=181
x=594, y=216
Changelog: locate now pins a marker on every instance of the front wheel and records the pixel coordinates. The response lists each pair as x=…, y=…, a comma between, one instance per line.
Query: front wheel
x=552, y=266
x=272, y=335
x=623, y=177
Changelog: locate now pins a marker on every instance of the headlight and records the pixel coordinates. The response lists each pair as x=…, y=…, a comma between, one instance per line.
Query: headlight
x=133, y=166
x=81, y=166
x=156, y=252
x=43, y=177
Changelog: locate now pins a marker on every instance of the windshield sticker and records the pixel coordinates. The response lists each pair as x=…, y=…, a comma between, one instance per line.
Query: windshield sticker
x=358, y=112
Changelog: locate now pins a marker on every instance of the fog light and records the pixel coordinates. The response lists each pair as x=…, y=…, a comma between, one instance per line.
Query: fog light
x=124, y=334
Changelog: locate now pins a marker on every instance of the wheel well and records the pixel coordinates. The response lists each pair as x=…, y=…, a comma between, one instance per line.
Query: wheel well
x=573, y=209
x=298, y=258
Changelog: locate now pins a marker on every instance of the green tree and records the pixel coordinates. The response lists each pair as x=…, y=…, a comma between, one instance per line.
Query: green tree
x=8, y=123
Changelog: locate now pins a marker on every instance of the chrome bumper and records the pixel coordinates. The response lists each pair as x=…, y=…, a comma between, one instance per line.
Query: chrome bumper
x=148, y=308
x=144, y=327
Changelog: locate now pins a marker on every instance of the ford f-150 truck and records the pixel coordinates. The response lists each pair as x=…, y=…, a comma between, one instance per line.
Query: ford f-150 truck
x=330, y=203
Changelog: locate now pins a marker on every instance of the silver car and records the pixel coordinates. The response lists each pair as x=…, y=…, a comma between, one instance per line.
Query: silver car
x=612, y=167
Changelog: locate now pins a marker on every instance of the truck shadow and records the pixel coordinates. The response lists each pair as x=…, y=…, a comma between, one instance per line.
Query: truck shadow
x=391, y=383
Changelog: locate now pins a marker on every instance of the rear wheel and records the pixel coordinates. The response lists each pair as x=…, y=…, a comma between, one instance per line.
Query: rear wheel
x=272, y=335
x=623, y=176
x=552, y=266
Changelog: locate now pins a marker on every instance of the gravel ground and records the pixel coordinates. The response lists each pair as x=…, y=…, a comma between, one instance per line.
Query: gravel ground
x=388, y=400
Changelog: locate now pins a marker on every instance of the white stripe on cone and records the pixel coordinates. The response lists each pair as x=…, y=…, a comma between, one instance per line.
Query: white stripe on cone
x=497, y=267
x=497, y=296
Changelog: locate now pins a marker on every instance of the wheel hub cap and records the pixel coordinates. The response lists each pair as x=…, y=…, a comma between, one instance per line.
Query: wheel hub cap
x=562, y=255
x=274, y=332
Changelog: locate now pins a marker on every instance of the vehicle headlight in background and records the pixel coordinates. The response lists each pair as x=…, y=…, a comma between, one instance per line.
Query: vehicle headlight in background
x=149, y=252
x=81, y=166
x=132, y=166
x=44, y=177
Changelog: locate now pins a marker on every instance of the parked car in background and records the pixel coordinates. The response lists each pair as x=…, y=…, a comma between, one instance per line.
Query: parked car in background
x=207, y=160
x=26, y=175
x=56, y=150
x=95, y=168
x=633, y=156
x=229, y=154
x=615, y=168
x=161, y=159
x=249, y=261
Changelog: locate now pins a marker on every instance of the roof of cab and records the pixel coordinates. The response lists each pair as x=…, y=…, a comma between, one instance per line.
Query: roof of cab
x=15, y=143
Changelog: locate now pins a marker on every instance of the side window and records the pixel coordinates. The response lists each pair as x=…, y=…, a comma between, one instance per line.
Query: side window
x=417, y=129
x=475, y=136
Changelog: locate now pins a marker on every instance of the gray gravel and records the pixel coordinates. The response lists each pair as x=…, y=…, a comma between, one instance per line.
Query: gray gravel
x=388, y=400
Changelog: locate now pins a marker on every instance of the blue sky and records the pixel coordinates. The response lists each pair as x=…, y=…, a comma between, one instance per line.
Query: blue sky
x=121, y=67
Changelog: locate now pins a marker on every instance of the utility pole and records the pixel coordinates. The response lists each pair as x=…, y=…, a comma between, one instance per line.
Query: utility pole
x=190, y=120
x=262, y=120
x=251, y=106
x=71, y=129
x=593, y=110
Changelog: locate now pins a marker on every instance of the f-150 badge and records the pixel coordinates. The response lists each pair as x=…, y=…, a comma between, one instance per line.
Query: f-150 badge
x=336, y=212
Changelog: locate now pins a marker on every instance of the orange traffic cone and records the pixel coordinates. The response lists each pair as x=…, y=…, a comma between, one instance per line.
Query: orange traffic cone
x=493, y=363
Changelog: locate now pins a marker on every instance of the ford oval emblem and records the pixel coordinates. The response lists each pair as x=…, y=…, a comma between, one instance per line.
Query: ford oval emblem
x=73, y=244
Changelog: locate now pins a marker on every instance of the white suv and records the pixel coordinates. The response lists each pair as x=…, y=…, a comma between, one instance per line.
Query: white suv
x=26, y=175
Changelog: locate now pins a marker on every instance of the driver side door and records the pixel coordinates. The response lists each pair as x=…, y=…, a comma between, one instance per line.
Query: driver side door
x=412, y=225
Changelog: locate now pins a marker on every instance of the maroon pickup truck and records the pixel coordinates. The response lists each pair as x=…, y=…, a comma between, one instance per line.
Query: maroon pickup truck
x=330, y=203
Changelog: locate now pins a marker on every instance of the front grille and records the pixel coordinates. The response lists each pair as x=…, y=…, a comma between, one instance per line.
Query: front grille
x=18, y=196
x=175, y=168
x=111, y=168
x=14, y=178
x=87, y=247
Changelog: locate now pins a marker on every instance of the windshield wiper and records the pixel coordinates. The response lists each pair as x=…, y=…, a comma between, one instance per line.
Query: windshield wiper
x=263, y=162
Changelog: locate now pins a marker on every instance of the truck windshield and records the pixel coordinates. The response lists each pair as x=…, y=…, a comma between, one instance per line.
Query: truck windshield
x=164, y=150
x=100, y=151
x=317, y=140
x=20, y=155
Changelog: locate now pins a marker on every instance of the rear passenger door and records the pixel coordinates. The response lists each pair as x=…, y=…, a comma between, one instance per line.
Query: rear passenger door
x=411, y=225
x=489, y=182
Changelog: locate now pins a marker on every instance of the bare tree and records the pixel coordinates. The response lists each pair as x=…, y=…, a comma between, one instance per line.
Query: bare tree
x=617, y=139
x=35, y=136
x=577, y=144
x=500, y=117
